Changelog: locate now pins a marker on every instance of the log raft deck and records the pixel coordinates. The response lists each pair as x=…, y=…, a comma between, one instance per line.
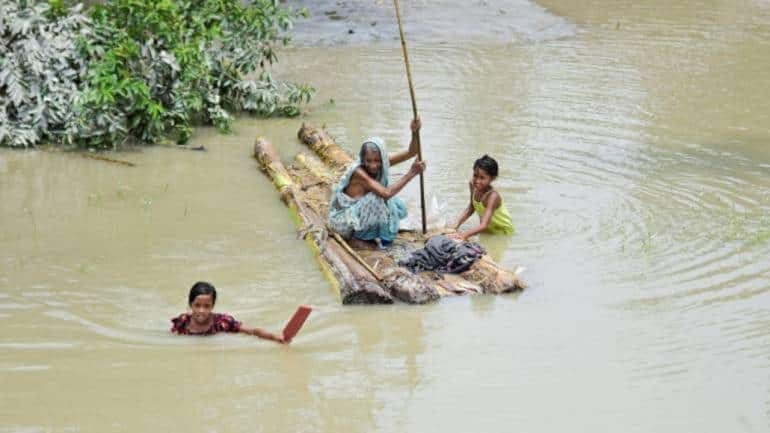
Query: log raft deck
x=364, y=276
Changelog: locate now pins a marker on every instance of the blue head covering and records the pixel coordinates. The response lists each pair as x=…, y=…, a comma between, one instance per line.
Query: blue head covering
x=383, y=176
x=344, y=215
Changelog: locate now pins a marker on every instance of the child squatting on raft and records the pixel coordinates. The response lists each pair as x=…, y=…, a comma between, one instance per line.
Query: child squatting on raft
x=203, y=321
x=363, y=204
x=486, y=202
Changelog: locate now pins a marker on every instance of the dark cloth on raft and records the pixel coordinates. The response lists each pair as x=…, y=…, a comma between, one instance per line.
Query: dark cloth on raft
x=443, y=254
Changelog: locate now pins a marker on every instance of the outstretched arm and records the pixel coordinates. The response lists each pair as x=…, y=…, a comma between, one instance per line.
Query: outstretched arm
x=261, y=333
x=493, y=202
x=389, y=191
x=396, y=158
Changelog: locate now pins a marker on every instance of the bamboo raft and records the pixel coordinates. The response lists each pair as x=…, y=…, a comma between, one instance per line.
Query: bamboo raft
x=364, y=276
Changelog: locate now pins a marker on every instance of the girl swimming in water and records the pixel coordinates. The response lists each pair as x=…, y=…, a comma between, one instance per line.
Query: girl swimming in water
x=203, y=321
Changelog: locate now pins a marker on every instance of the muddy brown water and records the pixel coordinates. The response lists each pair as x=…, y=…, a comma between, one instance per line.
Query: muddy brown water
x=633, y=144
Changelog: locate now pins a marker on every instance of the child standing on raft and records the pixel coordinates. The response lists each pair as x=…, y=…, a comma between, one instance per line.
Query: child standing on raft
x=203, y=321
x=486, y=202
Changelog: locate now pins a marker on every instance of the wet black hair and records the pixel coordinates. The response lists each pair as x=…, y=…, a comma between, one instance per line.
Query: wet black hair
x=202, y=288
x=488, y=164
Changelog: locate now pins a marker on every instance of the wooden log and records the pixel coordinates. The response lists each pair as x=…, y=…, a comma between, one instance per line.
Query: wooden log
x=484, y=276
x=315, y=167
x=485, y=273
x=344, y=244
x=400, y=283
x=493, y=278
x=271, y=165
x=315, y=184
x=325, y=147
x=110, y=160
x=408, y=287
x=356, y=284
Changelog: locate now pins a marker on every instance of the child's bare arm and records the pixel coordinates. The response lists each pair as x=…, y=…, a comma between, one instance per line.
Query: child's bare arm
x=464, y=217
x=261, y=333
x=493, y=202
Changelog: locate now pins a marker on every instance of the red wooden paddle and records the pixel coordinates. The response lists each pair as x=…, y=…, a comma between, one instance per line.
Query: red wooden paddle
x=296, y=322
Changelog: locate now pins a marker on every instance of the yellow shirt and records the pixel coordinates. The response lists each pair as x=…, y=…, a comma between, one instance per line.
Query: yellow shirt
x=501, y=222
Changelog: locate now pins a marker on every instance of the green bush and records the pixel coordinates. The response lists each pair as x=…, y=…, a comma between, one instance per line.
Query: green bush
x=145, y=70
x=40, y=71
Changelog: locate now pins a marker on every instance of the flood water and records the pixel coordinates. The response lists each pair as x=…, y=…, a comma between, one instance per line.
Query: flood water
x=633, y=140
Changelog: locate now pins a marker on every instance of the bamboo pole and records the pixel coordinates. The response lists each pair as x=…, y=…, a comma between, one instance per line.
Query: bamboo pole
x=414, y=111
x=355, y=255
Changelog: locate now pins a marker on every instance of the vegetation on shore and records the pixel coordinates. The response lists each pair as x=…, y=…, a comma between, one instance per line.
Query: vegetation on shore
x=142, y=71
